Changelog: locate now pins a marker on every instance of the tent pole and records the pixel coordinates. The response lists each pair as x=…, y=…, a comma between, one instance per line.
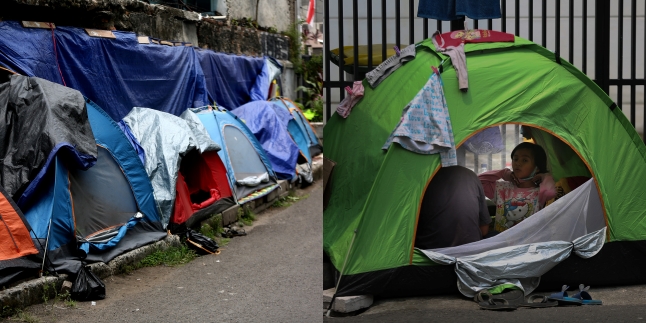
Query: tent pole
x=329, y=308
x=49, y=228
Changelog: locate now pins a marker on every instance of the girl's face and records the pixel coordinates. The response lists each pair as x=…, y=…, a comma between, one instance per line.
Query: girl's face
x=523, y=163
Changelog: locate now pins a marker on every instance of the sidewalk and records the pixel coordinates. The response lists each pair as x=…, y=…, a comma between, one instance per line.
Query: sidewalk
x=33, y=291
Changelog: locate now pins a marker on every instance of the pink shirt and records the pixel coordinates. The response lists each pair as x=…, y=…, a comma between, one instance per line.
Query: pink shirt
x=514, y=204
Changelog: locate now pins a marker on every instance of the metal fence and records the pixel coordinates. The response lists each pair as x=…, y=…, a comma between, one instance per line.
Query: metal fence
x=604, y=39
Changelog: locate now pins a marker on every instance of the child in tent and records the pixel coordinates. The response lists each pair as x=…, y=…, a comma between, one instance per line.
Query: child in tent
x=523, y=190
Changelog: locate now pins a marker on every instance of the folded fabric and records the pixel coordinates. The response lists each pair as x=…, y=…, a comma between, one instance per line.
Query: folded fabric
x=354, y=95
x=456, y=37
x=254, y=180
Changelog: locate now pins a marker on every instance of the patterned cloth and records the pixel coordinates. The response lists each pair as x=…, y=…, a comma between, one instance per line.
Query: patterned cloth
x=488, y=141
x=425, y=126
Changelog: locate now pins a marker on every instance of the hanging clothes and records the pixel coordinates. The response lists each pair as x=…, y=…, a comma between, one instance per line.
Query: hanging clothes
x=354, y=96
x=425, y=126
x=488, y=141
x=391, y=64
x=458, y=59
x=457, y=9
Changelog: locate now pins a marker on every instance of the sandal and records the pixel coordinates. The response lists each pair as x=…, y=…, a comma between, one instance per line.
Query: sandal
x=230, y=233
x=543, y=302
x=497, y=304
x=563, y=299
x=585, y=297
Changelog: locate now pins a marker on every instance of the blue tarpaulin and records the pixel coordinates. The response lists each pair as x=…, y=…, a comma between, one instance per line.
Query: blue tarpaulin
x=230, y=78
x=118, y=74
x=269, y=126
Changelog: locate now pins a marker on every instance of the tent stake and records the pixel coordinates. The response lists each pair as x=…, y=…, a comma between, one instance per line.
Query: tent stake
x=329, y=308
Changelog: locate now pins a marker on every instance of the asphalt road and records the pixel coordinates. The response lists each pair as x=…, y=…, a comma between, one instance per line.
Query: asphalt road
x=271, y=275
x=620, y=304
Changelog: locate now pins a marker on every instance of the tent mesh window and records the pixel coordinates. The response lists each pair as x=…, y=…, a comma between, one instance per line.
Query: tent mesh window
x=94, y=193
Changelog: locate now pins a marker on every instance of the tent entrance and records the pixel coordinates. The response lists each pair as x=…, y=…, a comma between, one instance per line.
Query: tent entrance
x=102, y=199
x=249, y=170
x=490, y=148
x=494, y=145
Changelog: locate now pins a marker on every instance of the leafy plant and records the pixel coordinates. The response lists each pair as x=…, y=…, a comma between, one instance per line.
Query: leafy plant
x=246, y=216
x=295, y=46
x=21, y=316
x=313, y=100
x=172, y=256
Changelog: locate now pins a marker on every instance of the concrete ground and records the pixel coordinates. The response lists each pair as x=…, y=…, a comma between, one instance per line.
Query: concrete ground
x=620, y=304
x=270, y=275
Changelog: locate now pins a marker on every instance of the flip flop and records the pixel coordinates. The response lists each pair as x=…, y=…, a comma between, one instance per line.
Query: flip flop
x=563, y=299
x=542, y=303
x=514, y=296
x=497, y=304
x=585, y=297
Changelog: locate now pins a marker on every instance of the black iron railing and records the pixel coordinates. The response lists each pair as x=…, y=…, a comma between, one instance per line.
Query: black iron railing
x=561, y=26
x=554, y=22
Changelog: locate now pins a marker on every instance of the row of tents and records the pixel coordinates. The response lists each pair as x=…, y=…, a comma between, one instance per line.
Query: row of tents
x=594, y=235
x=84, y=182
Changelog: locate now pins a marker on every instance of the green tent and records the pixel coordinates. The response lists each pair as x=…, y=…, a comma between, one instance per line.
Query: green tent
x=378, y=193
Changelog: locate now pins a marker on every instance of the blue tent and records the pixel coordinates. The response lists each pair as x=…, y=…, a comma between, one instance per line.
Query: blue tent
x=300, y=129
x=249, y=171
x=99, y=213
x=269, y=125
x=117, y=74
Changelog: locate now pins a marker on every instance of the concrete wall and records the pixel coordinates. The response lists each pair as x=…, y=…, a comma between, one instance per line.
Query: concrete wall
x=271, y=13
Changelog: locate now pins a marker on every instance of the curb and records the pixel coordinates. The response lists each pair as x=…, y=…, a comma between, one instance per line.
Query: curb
x=38, y=290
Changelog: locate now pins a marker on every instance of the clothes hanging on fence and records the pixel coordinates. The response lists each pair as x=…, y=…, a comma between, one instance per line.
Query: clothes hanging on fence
x=391, y=64
x=425, y=126
x=458, y=59
x=457, y=9
x=354, y=95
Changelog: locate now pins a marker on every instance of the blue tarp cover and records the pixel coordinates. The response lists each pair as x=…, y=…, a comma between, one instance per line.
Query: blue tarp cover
x=230, y=78
x=269, y=126
x=117, y=74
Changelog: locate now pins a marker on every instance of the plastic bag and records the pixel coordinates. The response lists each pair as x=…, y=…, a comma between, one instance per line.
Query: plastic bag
x=200, y=243
x=87, y=286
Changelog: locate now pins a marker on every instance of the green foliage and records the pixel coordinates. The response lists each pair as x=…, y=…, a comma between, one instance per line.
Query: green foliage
x=244, y=22
x=21, y=316
x=295, y=46
x=172, y=256
x=285, y=201
x=223, y=241
x=8, y=311
x=313, y=90
x=48, y=291
x=246, y=216
x=208, y=231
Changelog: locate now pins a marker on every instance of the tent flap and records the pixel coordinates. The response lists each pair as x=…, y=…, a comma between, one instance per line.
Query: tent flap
x=528, y=250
